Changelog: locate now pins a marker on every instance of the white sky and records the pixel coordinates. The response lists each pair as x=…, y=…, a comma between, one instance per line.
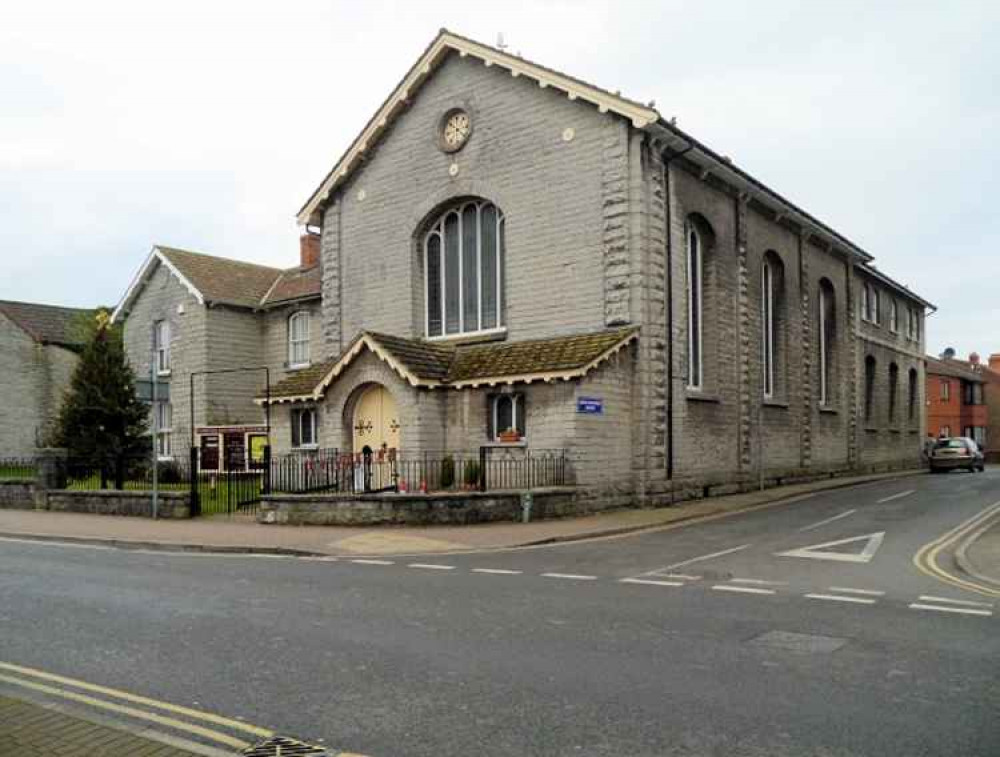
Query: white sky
x=207, y=124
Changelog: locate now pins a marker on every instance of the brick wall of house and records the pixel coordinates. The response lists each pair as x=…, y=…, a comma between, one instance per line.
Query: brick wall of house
x=22, y=390
x=163, y=298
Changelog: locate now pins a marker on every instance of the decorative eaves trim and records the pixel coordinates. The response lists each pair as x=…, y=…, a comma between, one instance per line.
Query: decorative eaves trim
x=640, y=115
x=142, y=276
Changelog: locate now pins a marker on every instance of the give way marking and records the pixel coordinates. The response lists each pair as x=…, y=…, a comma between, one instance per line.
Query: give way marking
x=821, y=552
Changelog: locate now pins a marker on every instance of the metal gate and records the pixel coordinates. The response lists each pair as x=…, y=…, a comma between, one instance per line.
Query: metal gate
x=234, y=487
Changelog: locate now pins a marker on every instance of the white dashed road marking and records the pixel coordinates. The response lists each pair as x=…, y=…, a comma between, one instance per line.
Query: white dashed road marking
x=961, y=610
x=682, y=576
x=497, y=571
x=846, y=590
x=828, y=520
x=742, y=589
x=757, y=582
x=430, y=566
x=838, y=598
x=650, y=581
x=570, y=576
x=895, y=496
x=373, y=562
x=926, y=598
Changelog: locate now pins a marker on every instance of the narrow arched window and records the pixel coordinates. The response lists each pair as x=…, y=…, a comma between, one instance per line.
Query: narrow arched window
x=869, y=387
x=912, y=403
x=464, y=271
x=827, y=332
x=695, y=274
x=893, y=391
x=767, y=326
x=298, y=340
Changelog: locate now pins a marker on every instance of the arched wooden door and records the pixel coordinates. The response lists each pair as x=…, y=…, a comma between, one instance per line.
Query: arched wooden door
x=376, y=421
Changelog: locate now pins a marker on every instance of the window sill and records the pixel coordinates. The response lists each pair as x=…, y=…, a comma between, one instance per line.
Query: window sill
x=775, y=403
x=305, y=447
x=297, y=366
x=471, y=337
x=523, y=443
x=163, y=373
x=827, y=410
x=694, y=396
x=164, y=458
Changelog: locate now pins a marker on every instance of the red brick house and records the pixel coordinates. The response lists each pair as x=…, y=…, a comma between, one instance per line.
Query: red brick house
x=992, y=376
x=956, y=398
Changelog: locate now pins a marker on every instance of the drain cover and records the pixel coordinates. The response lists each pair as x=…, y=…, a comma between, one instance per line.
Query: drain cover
x=281, y=746
x=798, y=642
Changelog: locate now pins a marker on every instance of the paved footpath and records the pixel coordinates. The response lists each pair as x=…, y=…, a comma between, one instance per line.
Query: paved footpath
x=239, y=534
x=28, y=730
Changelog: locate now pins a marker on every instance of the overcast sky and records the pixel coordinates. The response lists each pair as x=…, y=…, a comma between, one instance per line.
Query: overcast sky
x=206, y=125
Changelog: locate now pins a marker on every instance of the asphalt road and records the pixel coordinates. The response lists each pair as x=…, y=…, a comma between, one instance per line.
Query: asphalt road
x=702, y=640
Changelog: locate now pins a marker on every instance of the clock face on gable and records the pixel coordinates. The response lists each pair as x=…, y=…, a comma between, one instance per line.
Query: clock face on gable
x=455, y=130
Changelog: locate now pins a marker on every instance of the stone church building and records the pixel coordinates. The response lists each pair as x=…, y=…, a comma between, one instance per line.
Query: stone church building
x=511, y=256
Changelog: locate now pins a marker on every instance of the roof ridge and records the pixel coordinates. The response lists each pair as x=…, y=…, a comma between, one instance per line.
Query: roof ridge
x=237, y=261
x=46, y=305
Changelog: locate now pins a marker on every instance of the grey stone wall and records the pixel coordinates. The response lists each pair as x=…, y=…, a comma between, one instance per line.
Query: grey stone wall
x=170, y=505
x=17, y=495
x=551, y=192
x=460, y=508
x=234, y=340
x=164, y=298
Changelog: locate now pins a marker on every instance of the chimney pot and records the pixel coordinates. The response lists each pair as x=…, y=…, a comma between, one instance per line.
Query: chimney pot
x=309, y=250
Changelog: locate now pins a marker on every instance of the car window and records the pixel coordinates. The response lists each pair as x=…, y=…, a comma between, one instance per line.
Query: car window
x=950, y=444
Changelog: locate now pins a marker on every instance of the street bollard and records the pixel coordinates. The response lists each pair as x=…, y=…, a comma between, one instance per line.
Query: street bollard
x=526, y=507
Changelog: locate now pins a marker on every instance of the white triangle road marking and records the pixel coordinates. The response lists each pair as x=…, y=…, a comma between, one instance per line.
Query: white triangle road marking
x=818, y=551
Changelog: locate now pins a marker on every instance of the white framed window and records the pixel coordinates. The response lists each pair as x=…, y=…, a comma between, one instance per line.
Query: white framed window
x=866, y=303
x=164, y=430
x=894, y=317
x=945, y=431
x=507, y=413
x=464, y=259
x=695, y=291
x=161, y=346
x=767, y=327
x=304, y=428
x=945, y=391
x=876, y=301
x=298, y=340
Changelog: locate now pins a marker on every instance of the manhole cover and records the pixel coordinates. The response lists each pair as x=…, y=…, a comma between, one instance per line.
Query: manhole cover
x=281, y=746
x=798, y=642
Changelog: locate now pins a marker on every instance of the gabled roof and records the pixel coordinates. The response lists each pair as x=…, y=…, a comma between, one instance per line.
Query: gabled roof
x=47, y=324
x=430, y=364
x=876, y=274
x=223, y=281
x=646, y=117
x=955, y=368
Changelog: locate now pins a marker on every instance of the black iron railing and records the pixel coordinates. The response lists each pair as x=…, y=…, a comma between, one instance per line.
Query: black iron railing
x=17, y=467
x=485, y=469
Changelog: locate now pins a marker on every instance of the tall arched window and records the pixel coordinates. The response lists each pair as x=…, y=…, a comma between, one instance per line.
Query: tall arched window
x=912, y=400
x=772, y=323
x=827, y=333
x=869, y=387
x=695, y=275
x=298, y=339
x=464, y=254
x=893, y=391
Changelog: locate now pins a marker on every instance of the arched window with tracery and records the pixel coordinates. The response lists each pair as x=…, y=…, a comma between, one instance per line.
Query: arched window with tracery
x=464, y=252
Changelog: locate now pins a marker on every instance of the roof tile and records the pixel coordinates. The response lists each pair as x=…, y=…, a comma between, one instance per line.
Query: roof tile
x=48, y=324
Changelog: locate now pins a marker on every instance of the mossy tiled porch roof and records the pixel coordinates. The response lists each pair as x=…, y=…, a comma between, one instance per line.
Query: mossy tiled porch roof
x=431, y=364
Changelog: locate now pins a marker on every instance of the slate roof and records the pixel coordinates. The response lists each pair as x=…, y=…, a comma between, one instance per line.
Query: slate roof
x=221, y=280
x=427, y=363
x=47, y=324
x=294, y=284
x=954, y=368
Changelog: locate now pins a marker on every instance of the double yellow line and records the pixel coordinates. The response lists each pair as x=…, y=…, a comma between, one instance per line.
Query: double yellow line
x=926, y=557
x=71, y=689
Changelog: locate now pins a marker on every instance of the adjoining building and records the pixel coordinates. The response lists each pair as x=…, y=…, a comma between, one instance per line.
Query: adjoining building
x=992, y=388
x=39, y=350
x=515, y=257
x=223, y=321
x=956, y=397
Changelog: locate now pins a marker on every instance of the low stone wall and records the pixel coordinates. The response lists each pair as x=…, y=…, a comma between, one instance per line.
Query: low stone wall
x=17, y=494
x=446, y=508
x=172, y=505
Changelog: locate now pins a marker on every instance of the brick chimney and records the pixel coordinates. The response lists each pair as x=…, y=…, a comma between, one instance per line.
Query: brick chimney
x=309, y=250
x=974, y=358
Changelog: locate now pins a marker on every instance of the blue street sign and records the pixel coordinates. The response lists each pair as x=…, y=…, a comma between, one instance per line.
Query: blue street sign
x=590, y=405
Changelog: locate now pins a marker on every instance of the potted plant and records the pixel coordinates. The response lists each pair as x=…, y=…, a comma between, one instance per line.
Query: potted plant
x=510, y=435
